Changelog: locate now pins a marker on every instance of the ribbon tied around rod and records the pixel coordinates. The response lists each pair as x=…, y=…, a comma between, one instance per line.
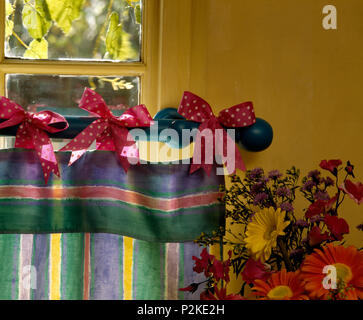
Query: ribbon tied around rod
x=109, y=131
x=196, y=109
x=32, y=132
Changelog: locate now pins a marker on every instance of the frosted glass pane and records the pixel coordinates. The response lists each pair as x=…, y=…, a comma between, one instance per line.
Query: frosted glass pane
x=63, y=93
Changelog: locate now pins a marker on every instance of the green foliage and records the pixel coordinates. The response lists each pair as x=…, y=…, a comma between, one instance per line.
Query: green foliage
x=64, y=12
x=8, y=9
x=38, y=49
x=114, y=36
x=97, y=29
x=36, y=18
x=118, y=44
x=9, y=25
x=138, y=14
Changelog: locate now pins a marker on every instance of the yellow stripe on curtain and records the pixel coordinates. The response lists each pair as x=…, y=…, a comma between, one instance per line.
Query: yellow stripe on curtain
x=127, y=267
x=55, y=266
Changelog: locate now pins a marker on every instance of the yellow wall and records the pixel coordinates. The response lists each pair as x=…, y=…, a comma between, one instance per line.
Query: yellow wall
x=304, y=80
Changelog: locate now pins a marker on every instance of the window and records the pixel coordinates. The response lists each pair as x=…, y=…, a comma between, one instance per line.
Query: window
x=164, y=68
x=51, y=49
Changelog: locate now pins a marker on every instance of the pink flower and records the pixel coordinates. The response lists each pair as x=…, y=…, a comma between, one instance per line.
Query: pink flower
x=337, y=226
x=331, y=165
x=254, y=270
x=354, y=190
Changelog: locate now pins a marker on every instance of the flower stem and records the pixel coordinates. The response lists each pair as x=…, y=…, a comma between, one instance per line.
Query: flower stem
x=285, y=255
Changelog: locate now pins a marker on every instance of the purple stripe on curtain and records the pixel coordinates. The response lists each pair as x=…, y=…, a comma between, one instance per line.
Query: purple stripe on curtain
x=41, y=264
x=106, y=267
x=192, y=249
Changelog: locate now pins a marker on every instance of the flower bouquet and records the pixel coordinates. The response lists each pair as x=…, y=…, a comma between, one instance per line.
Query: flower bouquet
x=278, y=255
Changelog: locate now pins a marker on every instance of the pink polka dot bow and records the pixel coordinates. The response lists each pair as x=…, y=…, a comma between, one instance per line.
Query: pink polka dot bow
x=196, y=109
x=32, y=132
x=110, y=132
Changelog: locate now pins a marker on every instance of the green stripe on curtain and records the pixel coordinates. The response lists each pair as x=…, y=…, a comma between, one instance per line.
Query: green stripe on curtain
x=146, y=264
x=72, y=266
x=9, y=261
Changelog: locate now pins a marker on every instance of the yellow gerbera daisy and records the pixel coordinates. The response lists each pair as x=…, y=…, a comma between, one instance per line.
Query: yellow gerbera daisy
x=263, y=230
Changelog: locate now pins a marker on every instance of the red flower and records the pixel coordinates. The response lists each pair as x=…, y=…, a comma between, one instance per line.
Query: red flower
x=316, y=237
x=207, y=295
x=331, y=165
x=204, y=264
x=254, y=270
x=191, y=288
x=316, y=208
x=220, y=295
x=329, y=203
x=337, y=226
x=320, y=207
x=220, y=269
x=354, y=190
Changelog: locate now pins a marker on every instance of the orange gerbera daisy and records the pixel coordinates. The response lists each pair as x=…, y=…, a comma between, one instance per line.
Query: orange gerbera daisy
x=281, y=285
x=348, y=263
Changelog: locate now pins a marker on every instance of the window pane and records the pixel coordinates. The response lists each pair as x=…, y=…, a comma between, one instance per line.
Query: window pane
x=73, y=29
x=63, y=93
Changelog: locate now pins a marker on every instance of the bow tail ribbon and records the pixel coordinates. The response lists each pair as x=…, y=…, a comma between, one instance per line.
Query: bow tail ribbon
x=203, y=157
x=125, y=147
x=83, y=140
x=232, y=159
x=218, y=143
x=44, y=149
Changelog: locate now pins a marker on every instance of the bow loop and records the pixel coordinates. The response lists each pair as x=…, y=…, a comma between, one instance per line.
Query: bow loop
x=9, y=108
x=49, y=121
x=11, y=112
x=92, y=102
x=110, y=132
x=194, y=108
x=241, y=115
x=137, y=116
x=31, y=133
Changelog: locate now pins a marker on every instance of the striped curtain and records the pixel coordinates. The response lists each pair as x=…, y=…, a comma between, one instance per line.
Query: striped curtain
x=98, y=233
x=75, y=266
